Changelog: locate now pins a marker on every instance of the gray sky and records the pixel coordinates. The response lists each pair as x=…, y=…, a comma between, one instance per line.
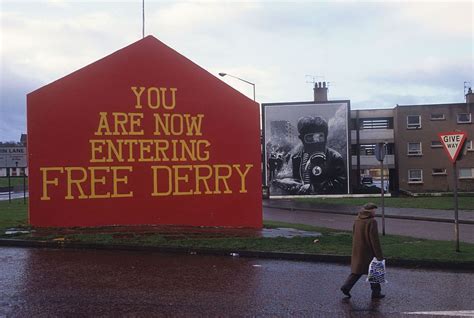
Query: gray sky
x=377, y=54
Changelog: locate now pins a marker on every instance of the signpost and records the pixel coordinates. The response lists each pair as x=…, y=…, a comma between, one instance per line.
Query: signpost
x=380, y=151
x=452, y=143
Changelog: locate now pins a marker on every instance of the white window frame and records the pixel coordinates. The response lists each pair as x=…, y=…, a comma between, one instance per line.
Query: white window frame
x=437, y=118
x=470, y=177
x=438, y=145
x=440, y=173
x=464, y=122
x=419, y=153
x=416, y=180
x=414, y=126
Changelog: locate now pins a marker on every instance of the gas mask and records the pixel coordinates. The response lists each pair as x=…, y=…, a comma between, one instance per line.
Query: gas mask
x=314, y=142
x=315, y=147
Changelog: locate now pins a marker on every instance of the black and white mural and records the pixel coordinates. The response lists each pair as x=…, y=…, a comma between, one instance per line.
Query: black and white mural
x=306, y=148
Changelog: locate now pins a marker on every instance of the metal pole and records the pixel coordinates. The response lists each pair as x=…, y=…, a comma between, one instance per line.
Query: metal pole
x=143, y=18
x=9, y=185
x=253, y=92
x=383, y=199
x=456, y=221
x=24, y=186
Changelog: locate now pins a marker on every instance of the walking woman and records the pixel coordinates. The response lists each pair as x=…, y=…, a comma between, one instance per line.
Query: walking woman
x=365, y=246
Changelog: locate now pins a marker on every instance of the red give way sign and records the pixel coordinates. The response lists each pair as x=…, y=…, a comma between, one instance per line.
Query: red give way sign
x=452, y=143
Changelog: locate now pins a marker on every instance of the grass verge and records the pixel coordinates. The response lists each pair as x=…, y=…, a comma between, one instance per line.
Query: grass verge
x=436, y=203
x=332, y=242
x=14, y=181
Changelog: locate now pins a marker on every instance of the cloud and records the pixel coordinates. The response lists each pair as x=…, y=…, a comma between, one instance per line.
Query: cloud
x=432, y=72
x=51, y=48
x=13, y=103
x=198, y=15
x=448, y=18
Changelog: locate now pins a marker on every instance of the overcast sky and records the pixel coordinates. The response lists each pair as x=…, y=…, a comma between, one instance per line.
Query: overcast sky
x=377, y=54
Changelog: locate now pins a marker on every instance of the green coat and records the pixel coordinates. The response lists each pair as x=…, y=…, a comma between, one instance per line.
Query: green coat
x=365, y=243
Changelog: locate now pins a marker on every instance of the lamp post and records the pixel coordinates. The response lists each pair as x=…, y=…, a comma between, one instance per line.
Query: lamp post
x=225, y=74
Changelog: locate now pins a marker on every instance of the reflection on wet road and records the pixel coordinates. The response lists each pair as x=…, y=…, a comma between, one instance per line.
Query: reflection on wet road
x=47, y=282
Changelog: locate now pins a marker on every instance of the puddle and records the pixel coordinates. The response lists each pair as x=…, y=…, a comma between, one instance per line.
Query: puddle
x=288, y=233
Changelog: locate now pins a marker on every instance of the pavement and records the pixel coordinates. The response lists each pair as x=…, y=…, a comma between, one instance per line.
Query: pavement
x=13, y=195
x=465, y=216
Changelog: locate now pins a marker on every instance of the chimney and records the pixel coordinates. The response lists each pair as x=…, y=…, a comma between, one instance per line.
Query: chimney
x=469, y=96
x=320, y=92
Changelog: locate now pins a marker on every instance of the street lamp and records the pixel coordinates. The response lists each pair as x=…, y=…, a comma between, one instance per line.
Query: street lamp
x=225, y=74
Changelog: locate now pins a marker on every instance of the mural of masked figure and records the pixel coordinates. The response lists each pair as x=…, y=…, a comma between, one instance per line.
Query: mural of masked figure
x=316, y=168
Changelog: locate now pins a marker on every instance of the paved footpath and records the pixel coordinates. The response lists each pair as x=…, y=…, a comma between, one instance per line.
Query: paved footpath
x=408, y=213
x=342, y=218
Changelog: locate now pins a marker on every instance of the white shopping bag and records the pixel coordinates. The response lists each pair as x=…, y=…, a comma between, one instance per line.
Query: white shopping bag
x=376, y=273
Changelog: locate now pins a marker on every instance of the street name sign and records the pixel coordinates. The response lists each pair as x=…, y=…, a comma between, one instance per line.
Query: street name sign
x=452, y=143
x=13, y=157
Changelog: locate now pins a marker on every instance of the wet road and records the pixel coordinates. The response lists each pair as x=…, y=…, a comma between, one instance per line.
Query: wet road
x=419, y=229
x=13, y=195
x=53, y=283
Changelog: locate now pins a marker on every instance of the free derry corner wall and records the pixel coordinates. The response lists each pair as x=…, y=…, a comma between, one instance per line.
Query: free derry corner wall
x=143, y=136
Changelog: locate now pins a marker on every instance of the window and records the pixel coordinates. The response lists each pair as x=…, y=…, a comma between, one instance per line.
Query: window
x=367, y=150
x=464, y=118
x=438, y=172
x=469, y=145
x=414, y=149
x=466, y=173
x=436, y=144
x=376, y=123
x=437, y=117
x=413, y=121
x=415, y=176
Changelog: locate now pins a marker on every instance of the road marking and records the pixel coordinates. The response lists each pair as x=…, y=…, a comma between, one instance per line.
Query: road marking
x=458, y=313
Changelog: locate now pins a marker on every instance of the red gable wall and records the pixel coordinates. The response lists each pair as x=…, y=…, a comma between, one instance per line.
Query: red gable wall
x=143, y=136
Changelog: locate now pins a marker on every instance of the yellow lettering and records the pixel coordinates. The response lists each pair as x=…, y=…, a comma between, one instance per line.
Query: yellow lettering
x=130, y=143
x=193, y=124
x=117, y=180
x=138, y=95
x=160, y=150
x=163, y=98
x=116, y=151
x=156, y=193
x=150, y=92
x=178, y=178
x=201, y=154
x=177, y=126
x=222, y=178
x=103, y=125
x=135, y=123
x=77, y=181
x=145, y=149
x=120, y=119
x=54, y=181
x=242, y=176
x=95, y=180
x=203, y=178
x=174, y=143
x=165, y=127
x=96, y=149
x=189, y=151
